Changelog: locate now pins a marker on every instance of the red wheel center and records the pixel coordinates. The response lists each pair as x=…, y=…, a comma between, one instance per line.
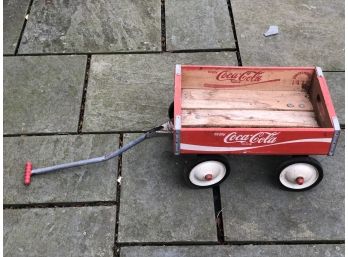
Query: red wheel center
x=208, y=177
x=299, y=180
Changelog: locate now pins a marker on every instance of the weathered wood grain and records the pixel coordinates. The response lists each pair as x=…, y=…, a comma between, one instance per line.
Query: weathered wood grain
x=250, y=78
x=247, y=118
x=241, y=99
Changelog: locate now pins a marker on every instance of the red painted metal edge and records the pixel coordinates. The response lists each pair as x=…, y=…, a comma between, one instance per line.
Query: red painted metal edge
x=245, y=67
x=177, y=93
x=177, y=109
x=323, y=130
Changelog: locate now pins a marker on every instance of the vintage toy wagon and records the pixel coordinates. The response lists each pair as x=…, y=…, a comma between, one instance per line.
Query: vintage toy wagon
x=253, y=110
x=219, y=110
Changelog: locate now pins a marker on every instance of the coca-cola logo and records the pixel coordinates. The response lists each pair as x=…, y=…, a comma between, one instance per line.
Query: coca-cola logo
x=302, y=78
x=249, y=139
x=234, y=77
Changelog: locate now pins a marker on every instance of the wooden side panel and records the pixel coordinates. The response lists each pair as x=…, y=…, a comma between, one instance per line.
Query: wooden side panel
x=247, y=78
x=319, y=104
x=272, y=141
x=247, y=118
x=248, y=100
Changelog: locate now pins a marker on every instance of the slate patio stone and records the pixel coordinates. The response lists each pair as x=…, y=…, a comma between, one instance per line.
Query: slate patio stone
x=156, y=205
x=256, y=209
x=335, y=81
x=56, y=232
x=235, y=251
x=42, y=93
x=310, y=33
x=197, y=24
x=96, y=182
x=92, y=26
x=13, y=18
x=133, y=92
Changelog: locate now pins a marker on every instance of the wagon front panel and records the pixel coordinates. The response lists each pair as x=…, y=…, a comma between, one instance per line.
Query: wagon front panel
x=268, y=141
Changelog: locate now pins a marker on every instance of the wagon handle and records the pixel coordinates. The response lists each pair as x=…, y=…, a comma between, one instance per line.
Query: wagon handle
x=29, y=171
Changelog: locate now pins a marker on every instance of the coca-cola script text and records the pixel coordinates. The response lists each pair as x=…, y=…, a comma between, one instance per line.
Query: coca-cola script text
x=250, y=76
x=258, y=138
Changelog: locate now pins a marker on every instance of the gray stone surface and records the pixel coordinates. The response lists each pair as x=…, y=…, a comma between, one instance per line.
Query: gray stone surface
x=57, y=232
x=198, y=24
x=335, y=81
x=92, y=26
x=133, y=92
x=13, y=18
x=42, y=93
x=156, y=205
x=235, y=251
x=311, y=33
x=255, y=208
x=95, y=182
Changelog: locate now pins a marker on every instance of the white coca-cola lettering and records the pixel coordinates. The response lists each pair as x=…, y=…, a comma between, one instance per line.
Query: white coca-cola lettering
x=258, y=138
x=250, y=76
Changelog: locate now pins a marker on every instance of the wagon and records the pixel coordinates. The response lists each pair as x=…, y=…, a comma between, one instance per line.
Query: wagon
x=221, y=110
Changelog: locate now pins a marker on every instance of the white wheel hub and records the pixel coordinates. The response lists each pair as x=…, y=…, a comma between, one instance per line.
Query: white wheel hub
x=299, y=175
x=207, y=173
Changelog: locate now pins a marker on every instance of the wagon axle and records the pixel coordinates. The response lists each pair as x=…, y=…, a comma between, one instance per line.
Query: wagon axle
x=300, y=180
x=208, y=177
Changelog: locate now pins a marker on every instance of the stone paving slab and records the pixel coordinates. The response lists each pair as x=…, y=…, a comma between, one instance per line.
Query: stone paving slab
x=255, y=208
x=42, y=93
x=310, y=33
x=198, y=24
x=235, y=251
x=156, y=205
x=13, y=18
x=133, y=92
x=57, y=232
x=335, y=81
x=95, y=182
x=92, y=26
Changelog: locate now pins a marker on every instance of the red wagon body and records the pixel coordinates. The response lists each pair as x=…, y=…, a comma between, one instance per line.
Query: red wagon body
x=253, y=110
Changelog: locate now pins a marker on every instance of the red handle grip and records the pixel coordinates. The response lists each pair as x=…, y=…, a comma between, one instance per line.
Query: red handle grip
x=27, y=173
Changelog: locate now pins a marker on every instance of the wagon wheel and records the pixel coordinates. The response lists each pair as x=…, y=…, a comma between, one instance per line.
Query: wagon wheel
x=300, y=173
x=171, y=111
x=207, y=171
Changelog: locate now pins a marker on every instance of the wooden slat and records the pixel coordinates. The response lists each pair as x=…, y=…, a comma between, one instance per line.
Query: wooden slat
x=247, y=79
x=241, y=99
x=247, y=118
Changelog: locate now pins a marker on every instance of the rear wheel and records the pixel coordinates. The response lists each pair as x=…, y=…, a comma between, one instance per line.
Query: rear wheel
x=171, y=111
x=300, y=173
x=207, y=171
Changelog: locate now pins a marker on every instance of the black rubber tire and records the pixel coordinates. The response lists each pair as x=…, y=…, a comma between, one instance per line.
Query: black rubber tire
x=302, y=159
x=203, y=158
x=171, y=111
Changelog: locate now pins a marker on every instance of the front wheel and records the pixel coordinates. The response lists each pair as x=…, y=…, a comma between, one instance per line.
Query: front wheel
x=300, y=173
x=207, y=171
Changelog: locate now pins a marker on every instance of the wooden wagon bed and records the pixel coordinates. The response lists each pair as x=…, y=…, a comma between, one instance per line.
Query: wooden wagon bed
x=253, y=110
x=245, y=108
x=291, y=100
